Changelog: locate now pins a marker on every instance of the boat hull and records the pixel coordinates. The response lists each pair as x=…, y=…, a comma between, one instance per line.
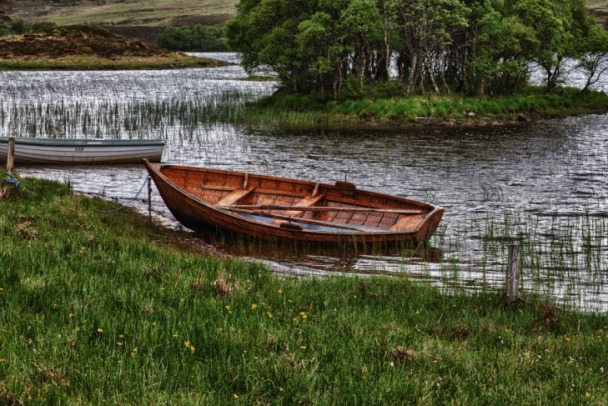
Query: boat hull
x=199, y=215
x=30, y=151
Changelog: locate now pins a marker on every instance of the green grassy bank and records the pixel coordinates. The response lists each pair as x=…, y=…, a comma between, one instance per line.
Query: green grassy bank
x=91, y=62
x=392, y=110
x=108, y=308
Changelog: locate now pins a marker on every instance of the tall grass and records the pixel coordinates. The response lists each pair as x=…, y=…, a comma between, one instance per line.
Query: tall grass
x=120, y=119
x=196, y=112
x=564, y=258
x=112, y=309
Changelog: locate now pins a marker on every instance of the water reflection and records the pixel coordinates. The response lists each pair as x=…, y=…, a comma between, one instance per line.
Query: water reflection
x=545, y=184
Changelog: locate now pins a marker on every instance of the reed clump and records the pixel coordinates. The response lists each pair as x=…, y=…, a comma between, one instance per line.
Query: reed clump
x=111, y=308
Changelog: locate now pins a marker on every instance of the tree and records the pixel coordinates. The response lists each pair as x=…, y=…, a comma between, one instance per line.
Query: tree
x=361, y=28
x=498, y=51
x=5, y=7
x=426, y=30
x=594, y=58
x=199, y=38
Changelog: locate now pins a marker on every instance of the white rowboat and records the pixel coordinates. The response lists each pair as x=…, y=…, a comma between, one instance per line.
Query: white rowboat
x=44, y=151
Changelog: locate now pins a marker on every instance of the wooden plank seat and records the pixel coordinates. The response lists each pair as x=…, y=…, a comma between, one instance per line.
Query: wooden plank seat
x=234, y=196
x=307, y=201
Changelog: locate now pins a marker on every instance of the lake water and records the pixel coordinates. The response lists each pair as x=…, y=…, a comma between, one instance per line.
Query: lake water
x=544, y=183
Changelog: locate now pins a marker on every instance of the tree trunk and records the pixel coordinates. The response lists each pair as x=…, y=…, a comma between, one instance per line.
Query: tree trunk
x=432, y=77
x=411, y=80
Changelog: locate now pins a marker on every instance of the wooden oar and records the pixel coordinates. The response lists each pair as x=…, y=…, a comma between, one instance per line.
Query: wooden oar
x=314, y=222
x=317, y=208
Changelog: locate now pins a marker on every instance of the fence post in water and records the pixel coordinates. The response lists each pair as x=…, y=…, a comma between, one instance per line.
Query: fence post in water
x=513, y=272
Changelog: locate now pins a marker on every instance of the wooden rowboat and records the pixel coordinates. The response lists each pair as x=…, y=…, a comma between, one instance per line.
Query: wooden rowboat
x=280, y=209
x=42, y=151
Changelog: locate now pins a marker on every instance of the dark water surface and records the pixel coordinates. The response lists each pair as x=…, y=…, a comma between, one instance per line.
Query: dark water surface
x=546, y=184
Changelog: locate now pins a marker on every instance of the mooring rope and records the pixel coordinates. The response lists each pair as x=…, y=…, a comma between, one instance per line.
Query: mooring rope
x=11, y=180
x=130, y=200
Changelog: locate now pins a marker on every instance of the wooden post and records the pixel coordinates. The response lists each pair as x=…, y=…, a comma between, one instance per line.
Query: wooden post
x=513, y=272
x=10, y=164
x=10, y=158
x=149, y=199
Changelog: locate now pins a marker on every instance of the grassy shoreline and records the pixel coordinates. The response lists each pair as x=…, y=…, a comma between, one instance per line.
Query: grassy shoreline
x=87, y=62
x=111, y=308
x=452, y=110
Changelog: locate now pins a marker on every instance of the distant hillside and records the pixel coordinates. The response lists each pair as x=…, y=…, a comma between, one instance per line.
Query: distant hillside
x=144, y=19
x=131, y=18
x=599, y=8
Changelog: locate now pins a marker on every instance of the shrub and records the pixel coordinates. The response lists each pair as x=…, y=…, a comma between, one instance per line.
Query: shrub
x=196, y=38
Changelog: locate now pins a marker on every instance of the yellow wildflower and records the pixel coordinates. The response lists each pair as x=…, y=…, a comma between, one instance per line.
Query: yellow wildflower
x=99, y=330
x=280, y=292
x=119, y=343
x=234, y=395
x=303, y=315
x=587, y=395
x=270, y=315
x=174, y=335
x=303, y=347
x=254, y=306
x=134, y=352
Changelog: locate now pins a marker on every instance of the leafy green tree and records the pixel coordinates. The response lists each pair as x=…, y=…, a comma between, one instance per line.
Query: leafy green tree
x=498, y=52
x=426, y=30
x=594, y=58
x=361, y=27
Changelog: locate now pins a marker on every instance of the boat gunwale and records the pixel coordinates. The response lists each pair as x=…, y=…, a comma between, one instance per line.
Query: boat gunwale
x=88, y=142
x=426, y=206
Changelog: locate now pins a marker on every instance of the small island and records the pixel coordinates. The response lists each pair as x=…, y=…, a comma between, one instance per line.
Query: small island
x=436, y=62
